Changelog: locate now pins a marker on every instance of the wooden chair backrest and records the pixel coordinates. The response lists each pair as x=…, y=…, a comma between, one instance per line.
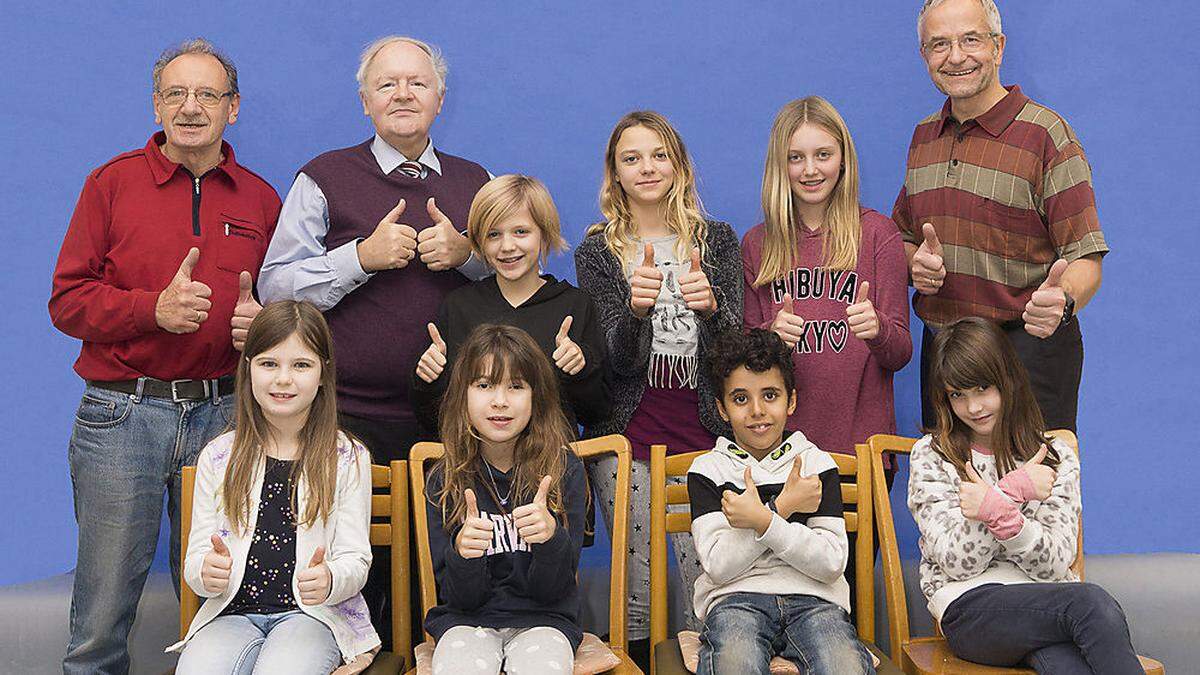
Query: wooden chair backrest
x=889, y=550
x=859, y=525
x=390, y=505
x=586, y=450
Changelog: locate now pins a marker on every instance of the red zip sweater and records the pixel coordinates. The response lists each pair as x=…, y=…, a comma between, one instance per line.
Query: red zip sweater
x=136, y=219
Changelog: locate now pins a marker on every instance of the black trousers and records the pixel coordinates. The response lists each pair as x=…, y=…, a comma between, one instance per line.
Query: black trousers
x=1054, y=364
x=851, y=571
x=387, y=441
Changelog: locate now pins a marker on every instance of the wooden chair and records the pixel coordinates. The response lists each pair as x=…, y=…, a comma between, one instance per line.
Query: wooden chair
x=393, y=506
x=666, y=654
x=592, y=645
x=930, y=655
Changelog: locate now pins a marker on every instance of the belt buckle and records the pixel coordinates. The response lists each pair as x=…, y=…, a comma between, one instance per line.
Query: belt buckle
x=175, y=393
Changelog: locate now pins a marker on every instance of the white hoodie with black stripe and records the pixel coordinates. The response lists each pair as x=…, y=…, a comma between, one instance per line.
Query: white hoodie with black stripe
x=804, y=554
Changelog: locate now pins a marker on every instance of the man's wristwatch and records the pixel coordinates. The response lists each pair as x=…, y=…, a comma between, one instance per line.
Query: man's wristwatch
x=1068, y=310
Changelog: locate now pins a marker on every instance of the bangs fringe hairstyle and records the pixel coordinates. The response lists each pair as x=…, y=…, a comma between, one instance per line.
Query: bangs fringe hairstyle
x=682, y=209
x=503, y=196
x=498, y=353
x=843, y=229
x=316, y=464
x=974, y=352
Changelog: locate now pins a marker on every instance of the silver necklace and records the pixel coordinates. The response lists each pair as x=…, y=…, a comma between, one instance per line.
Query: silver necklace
x=495, y=489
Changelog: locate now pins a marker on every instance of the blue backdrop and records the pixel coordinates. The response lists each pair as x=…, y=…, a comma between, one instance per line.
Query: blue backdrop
x=536, y=89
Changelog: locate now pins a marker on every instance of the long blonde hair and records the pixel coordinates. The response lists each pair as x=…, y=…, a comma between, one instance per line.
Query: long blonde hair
x=317, y=461
x=498, y=352
x=684, y=213
x=503, y=196
x=843, y=228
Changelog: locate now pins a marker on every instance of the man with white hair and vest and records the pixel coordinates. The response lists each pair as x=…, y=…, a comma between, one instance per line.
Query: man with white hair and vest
x=997, y=209
x=370, y=234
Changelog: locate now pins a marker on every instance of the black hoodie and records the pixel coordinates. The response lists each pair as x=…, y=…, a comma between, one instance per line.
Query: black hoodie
x=585, y=397
x=515, y=585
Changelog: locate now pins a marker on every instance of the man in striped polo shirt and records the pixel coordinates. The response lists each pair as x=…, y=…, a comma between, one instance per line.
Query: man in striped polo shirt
x=997, y=209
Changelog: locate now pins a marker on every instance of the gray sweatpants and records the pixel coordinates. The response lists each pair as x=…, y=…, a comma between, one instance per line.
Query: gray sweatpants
x=519, y=651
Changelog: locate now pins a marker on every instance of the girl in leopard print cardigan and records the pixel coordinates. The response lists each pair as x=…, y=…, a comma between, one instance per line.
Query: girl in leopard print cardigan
x=997, y=502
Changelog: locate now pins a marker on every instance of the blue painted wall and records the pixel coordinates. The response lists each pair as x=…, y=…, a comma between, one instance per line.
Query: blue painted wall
x=536, y=87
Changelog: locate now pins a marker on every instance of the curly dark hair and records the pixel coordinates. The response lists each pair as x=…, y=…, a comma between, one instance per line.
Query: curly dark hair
x=757, y=349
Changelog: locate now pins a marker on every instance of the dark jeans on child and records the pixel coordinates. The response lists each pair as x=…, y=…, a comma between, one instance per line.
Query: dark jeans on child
x=1060, y=628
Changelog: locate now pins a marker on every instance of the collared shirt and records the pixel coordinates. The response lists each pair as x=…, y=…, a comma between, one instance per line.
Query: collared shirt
x=298, y=266
x=136, y=219
x=1008, y=193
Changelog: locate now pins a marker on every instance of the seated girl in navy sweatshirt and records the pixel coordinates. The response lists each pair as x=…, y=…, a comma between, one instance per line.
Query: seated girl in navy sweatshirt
x=506, y=511
x=512, y=226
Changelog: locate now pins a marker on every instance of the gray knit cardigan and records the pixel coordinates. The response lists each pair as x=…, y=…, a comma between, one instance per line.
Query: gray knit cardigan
x=628, y=338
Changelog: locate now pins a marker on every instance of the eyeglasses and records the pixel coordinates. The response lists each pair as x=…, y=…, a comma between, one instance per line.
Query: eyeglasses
x=176, y=96
x=970, y=43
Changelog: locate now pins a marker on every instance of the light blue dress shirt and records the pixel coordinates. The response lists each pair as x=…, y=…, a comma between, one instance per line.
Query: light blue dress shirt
x=299, y=267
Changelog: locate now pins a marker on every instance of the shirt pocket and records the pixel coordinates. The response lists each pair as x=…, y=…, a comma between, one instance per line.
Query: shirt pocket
x=242, y=244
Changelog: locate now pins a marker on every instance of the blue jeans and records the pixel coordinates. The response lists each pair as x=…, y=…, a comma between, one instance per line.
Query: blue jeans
x=239, y=644
x=743, y=631
x=1053, y=628
x=125, y=453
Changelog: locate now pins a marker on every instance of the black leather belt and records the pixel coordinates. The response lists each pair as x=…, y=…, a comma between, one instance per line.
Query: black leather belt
x=176, y=390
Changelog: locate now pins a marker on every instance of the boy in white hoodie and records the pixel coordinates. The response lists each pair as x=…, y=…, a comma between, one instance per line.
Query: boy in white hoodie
x=767, y=521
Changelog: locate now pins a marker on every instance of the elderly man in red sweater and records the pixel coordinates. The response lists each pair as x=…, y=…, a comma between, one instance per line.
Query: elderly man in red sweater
x=155, y=276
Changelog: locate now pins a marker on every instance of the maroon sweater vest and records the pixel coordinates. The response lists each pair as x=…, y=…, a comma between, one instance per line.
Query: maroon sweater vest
x=379, y=328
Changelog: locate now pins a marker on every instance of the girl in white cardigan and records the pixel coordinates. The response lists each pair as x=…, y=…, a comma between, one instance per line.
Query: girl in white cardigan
x=280, y=517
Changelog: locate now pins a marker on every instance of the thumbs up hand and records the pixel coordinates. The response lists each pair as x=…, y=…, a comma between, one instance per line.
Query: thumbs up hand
x=1044, y=311
x=861, y=316
x=433, y=361
x=183, y=305
x=315, y=581
x=697, y=291
x=971, y=492
x=475, y=536
x=786, y=324
x=533, y=521
x=801, y=494
x=391, y=246
x=747, y=509
x=645, y=285
x=567, y=355
x=1033, y=480
x=216, y=567
x=441, y=246
x=928, y=266
x=244, y=311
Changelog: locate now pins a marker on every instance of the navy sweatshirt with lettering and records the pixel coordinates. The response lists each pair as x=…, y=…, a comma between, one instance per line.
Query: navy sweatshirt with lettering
x=516, y=584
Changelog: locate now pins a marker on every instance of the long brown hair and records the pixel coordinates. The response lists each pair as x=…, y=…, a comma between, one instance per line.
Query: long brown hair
x=974, y=352
x=317, y=461
x=843, y=228
x=499, y=353
x=684, y=213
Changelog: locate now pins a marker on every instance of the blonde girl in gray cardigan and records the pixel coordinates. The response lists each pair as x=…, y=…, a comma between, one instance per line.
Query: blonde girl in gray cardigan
x=997, y=503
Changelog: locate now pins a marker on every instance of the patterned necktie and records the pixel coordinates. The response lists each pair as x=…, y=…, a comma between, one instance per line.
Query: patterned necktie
x=412, y=169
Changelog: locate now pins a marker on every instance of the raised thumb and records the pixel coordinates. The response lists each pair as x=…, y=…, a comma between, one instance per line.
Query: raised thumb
x=245, y=287
x=189, y=264
x=472, y=506
x=318, y=557
x=648, y=256
x=543, y=493
x=931, y=238
x=1039, y=456
x=972, y=474
x=436, y=337
x=563, y=330
x=696, y=259
x=218, y=545
x=434, y=212
x=787, y=303
x=1054, y=278
x=749, y=478
x=863, y=290
x=798, y=465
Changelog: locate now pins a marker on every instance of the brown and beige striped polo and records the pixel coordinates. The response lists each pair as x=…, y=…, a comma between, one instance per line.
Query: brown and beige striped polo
x=1008, y=193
